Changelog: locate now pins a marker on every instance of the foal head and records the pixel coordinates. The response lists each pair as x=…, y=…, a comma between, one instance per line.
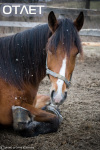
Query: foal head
x=62, y=49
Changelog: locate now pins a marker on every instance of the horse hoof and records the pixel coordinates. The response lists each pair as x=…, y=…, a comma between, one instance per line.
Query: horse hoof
x=21, y=117
x=53, y=109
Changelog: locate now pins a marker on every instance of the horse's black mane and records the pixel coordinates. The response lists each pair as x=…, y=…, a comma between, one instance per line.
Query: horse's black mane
x=23, y=55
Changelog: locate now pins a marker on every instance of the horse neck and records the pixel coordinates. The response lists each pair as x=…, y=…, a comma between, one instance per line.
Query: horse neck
x=26, y=59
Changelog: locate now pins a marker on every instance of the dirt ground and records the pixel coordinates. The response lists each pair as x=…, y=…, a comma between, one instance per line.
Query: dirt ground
x=80, y=129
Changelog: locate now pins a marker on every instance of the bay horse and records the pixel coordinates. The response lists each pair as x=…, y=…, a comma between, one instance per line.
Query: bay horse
x=25, y=58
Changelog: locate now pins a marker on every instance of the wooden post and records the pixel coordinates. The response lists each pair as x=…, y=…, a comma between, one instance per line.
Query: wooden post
x=87, y=6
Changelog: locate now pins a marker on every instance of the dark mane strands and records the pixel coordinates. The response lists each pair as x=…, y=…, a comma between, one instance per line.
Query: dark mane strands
x=23, y=56
x=67, y=34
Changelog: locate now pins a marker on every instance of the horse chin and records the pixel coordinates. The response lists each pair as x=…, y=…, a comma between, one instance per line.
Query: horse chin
x=56, y=105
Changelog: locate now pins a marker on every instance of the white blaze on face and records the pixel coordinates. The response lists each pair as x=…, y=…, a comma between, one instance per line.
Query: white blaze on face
x=60, y=82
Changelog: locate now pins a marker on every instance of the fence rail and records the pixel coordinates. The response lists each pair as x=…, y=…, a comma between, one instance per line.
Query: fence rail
x=83, y=32
x=90, y=32
x=72, y=11
x=19, y=24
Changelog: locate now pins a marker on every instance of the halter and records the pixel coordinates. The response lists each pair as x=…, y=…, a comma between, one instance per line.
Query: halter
x=56, y=75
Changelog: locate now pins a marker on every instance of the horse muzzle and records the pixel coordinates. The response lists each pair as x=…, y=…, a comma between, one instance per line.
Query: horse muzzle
x=58, y=99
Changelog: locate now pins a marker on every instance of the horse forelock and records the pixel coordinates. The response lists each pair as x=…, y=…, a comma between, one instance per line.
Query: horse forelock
x=66, y=34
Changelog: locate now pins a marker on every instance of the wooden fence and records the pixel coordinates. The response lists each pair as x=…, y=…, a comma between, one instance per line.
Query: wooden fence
x=83, y=32
x=61, y=12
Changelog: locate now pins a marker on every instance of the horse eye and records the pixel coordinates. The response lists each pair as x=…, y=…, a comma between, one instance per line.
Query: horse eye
x=76, y=54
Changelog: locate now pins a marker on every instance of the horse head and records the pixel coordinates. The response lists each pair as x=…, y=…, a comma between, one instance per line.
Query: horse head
x=62, y=49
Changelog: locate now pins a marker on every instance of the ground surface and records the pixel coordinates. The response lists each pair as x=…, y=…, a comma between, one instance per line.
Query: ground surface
x=80, y=129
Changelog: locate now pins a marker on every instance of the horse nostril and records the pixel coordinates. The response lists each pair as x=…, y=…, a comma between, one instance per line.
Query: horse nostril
x=65, y=95
x=52, y=93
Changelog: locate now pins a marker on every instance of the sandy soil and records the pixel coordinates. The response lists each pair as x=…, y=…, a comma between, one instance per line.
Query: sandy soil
x=80, y=129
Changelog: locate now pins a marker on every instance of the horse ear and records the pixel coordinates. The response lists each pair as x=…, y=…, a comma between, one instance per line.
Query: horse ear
x=79, y=21
x=52, y=21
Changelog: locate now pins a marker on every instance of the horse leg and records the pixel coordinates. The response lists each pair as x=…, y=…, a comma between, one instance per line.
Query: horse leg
x=44, y=122
x=42, y=101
